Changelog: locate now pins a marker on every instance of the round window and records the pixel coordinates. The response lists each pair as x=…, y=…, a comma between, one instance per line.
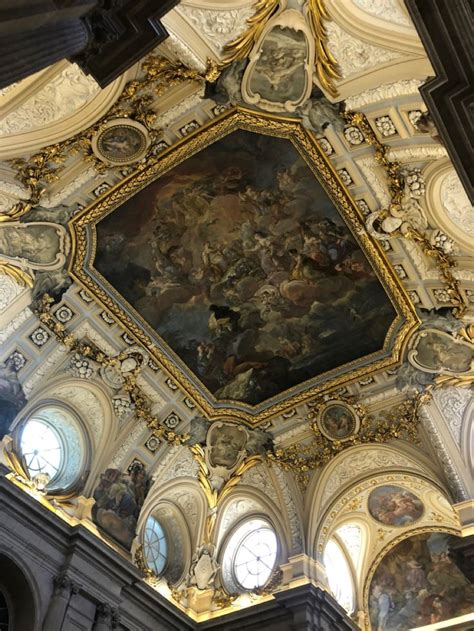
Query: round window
x=41, y=448
x=255, y=558
x=53, y=447
x=250, y=556
x=155, y=546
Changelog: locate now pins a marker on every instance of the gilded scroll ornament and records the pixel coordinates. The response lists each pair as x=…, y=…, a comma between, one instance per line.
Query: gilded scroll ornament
x=241, y=47
x=326, y=65
x=17, y=274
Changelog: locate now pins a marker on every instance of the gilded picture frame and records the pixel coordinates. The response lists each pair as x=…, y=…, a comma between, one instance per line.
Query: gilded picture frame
x=338, y=421
x=84, y=244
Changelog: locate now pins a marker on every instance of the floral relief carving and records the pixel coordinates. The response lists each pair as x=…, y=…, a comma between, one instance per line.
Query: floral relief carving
x=387, y=10
x=132, y=439
x=218, y=26
x=235, y=510
x=354, y=464
x=259, y=478
x=384, y=92
x=15, y=324
x=352, y=54
x=183, y=466
x=86, y=403
x=456, y=203
x=63, y=95
x=295, y=525
x=9, y=291
x=453, y=402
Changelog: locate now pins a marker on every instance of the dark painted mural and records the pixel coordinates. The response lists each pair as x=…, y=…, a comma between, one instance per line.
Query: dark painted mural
x=417, y=584
x=241, y=263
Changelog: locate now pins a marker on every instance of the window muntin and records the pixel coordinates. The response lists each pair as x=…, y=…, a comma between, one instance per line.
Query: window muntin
x=351, y=536
x=155, y=545
x=42, y=448
x=249, y=556
x=255, y=558
x=339, y=575
x=51, y=440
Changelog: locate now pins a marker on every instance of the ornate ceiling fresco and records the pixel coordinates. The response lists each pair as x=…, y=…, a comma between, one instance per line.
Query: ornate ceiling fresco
x=254, y=233
x=243, y=265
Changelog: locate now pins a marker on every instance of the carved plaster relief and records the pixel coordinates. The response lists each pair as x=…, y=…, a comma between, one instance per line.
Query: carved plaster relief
x=219, y=26
x=384, y=92
x=86, y=403
x=387, y=10
x=452, y=403
x=9, y=290
x=353, y=465
x=354, y=55
x=456, y=203
x=66, y=105
x=61, y=97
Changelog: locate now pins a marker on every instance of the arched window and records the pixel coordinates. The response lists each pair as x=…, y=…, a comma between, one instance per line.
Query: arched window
x=351, y=537
x=339, y=575
x=155, y=545
x=250, y=556
x=53, y=447
x=4, y=613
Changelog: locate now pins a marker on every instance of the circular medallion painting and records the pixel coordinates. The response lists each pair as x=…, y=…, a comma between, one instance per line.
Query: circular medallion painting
x=121, y=142
x=338, y=421
x=394, y=506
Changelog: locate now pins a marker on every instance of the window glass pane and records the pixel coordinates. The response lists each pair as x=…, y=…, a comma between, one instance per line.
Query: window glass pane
x=41, y=448
x=255, y=551
x=339, y=576
x=351, y=535
x=155, y=545
x=4, y=615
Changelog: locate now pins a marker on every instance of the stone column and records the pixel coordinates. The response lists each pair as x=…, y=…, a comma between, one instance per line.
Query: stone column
x=63, y=589
x=37, y=33
x=106, y=619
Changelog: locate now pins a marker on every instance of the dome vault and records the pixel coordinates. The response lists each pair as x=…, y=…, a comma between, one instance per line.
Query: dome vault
x=257, y=307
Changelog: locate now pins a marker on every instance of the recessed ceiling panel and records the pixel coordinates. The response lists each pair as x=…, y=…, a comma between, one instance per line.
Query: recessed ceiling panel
x=235, y=260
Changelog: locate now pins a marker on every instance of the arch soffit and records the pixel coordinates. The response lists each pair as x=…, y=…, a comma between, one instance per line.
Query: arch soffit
x=385, y=34
x=31, y=581
x=360, y=463
x=177, y=492
x=437, y=510
x=467, y=435
x=17, y=144
x=260, y=506
x=435, y=175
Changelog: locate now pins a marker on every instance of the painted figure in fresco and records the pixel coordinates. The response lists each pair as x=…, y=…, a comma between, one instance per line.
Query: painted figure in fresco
x=338, y=421
x=119, y=498
x=437, y=351
x=394, y=506
x=279, y=74
x=121, y=142
x=251, y=276
x=405, y=592
x=12, y=397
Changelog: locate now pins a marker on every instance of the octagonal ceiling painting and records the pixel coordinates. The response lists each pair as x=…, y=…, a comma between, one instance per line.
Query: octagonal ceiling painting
x=239, y=268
